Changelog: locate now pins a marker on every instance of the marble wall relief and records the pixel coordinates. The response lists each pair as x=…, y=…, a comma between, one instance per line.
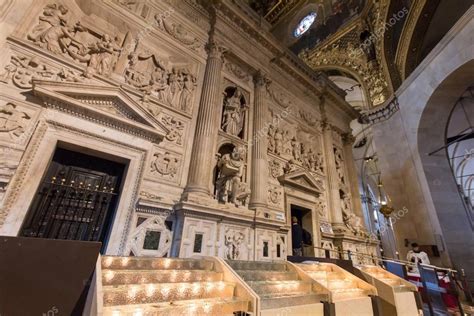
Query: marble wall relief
x=234, y=242
x=175, y=127
x=173, y=85
x=275, y=196
x=178, y=32
x=234, y=111
x=13, y=121
x=229, y=185
x=165, y=165
x=57, y=33
x=237, y=71
x=22, y=70
x=296, y=146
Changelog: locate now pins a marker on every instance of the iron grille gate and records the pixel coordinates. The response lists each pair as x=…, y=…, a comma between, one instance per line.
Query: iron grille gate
x=74, y=203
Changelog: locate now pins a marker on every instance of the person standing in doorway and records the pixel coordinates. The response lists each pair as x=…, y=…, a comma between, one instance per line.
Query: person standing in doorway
x=297, y=237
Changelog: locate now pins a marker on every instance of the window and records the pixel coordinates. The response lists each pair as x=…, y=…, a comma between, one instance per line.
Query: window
x=305, y=24
x=265, y=248
x=152, y=240
x=197, y=243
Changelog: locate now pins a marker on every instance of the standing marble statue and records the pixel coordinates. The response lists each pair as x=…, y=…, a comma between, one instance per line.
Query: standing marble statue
x=234, y=113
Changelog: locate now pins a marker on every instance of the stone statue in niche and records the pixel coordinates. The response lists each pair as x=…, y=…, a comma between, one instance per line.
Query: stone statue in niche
x=12, y=121
x=165, y=164
x=230, y=188
x=339, y=164
x=58, y=35
x=271, y=138
x=234, y=112
x=352, y=221
x=233, y=242
x=149, y=74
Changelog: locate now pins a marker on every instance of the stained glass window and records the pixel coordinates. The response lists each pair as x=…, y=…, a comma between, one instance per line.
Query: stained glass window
x=305, y=24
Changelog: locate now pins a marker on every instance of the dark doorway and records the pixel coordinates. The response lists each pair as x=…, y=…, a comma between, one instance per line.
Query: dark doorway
x=305, y=219
x=76, y=199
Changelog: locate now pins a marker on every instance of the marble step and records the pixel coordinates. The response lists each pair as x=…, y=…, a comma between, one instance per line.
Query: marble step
x=117, y=277
x=336, y=284
x=288, y=300
x=165, y=292
x=345, y=294
x=325, y=275
x=148, y=263
x=315, y=267
x=278, y=287
x=250, y=275
x=215, y=306
x=257, y=265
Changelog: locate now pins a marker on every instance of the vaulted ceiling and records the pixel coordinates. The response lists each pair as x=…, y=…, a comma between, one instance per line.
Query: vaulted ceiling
x=377, y=43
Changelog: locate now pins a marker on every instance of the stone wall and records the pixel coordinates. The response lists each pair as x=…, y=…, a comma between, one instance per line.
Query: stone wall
x=220, y=127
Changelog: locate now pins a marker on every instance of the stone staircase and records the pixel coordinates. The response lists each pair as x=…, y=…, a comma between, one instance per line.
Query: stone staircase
x=277, y=284
x=166, y=286
x=336, y=281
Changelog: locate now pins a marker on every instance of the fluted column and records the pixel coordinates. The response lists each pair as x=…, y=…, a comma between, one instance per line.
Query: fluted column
x=348, y=140
x=333, y=178
x=259, y=177
x=200, y=170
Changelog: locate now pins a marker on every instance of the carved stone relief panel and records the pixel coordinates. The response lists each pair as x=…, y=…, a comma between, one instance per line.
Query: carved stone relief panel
x=16, y=121
x=236, y=242
x=177, y=130
x=60, y=33
x=237, y=71
x=179, y=32
x=300, y=147
x=151, y=236
x=170, y=83
x=275, y=197
x=165, y=165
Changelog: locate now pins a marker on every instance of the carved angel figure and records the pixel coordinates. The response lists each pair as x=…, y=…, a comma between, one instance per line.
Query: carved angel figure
x=233, y=243
x=234, y=114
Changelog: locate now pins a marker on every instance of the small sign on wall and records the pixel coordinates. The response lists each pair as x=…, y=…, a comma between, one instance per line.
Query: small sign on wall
x=326, y=228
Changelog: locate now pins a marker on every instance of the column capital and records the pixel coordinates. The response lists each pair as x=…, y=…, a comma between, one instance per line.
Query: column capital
x=215, y=50
x=348, y=139
x=260, y=79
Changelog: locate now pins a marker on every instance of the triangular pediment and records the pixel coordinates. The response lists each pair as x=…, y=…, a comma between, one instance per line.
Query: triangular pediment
x=103, y=104
x=302, y=180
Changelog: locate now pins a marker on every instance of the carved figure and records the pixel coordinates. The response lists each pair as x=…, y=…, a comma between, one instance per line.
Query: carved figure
x=228, y=184
x=233, y=242
x=234, y=114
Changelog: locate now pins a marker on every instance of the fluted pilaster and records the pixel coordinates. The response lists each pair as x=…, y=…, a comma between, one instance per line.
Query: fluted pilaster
x=200, y=171
x=259, y=177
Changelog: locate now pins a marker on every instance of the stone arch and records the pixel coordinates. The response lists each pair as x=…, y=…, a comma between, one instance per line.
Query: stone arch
x=431, y=135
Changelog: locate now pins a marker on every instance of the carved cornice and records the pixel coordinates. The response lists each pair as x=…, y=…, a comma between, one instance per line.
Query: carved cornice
x=60, y=96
